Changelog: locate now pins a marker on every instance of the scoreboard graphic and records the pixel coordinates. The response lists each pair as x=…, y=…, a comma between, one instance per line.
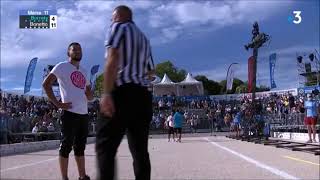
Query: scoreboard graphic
x=38, y=19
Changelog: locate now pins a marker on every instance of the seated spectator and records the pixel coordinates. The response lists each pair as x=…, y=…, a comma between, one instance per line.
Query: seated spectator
x=51, y=128
x=44, y=128
x=36, y=128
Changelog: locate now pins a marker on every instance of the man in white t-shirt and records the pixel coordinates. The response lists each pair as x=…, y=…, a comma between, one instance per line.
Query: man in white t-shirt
x=75, y=92
x=170, y=124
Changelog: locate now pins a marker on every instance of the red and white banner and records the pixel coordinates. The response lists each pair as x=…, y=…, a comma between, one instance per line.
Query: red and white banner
x=250, y=73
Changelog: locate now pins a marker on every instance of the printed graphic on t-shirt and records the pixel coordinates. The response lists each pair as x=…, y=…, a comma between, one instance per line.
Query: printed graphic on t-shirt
x=78, y=79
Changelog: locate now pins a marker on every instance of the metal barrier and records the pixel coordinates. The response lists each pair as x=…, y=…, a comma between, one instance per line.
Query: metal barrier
x=285, y=119
x=293, y=122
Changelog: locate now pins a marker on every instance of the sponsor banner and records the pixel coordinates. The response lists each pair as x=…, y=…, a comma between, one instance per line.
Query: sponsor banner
x=29, y=76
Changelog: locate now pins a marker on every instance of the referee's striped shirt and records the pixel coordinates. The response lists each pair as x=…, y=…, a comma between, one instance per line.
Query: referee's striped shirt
x=135, y=58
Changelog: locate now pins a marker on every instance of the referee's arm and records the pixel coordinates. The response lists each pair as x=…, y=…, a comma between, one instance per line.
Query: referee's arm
x=112, y=59
x=111, y=69
x=151, y=69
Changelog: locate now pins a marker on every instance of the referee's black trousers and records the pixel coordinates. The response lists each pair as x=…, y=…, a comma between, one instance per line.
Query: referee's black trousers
x=133, y=115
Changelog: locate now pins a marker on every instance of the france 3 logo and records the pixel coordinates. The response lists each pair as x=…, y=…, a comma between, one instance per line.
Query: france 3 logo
x=295, y=18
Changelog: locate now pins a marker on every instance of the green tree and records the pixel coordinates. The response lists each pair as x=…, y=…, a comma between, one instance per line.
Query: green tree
x=262, y=88
x=236, y=82
x=243, y=88
x=173, y=72
x=98, y=86
x=210, y=87
x=223, y=84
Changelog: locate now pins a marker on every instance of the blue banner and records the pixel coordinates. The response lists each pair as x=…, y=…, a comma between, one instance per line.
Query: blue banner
x=94, y=70
x=29, y=76
x=93, y=84
x=272, y=62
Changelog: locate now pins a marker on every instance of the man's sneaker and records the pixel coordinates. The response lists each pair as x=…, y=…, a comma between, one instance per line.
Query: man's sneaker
x=85, y=178
x=314, y=141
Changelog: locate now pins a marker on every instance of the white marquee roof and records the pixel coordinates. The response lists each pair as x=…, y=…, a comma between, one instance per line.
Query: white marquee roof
x=190, y=80
x=166, y=80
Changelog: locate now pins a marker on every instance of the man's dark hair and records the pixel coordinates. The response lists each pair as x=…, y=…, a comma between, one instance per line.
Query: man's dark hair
x=126, y=9
x=73, y=44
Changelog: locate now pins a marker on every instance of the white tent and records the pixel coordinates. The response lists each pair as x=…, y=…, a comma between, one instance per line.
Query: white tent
x=190, y=87
x=165, y=87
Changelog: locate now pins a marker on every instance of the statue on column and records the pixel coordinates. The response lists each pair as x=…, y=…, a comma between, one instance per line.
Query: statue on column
x=258, y=39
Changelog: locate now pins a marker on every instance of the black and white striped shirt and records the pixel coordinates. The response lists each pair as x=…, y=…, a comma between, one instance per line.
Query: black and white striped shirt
x=135, y=58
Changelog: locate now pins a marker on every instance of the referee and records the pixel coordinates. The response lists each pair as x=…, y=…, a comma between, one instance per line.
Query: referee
x=127, y=74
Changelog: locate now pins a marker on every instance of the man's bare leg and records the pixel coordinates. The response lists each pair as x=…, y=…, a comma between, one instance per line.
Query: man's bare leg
x=313, y=127
x=309, y=132
x=81, y=166
x=63, y=162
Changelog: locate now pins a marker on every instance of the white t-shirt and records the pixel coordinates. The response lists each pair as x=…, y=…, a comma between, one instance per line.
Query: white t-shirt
x=170, y=120
x=72, y=85
x=35, y=129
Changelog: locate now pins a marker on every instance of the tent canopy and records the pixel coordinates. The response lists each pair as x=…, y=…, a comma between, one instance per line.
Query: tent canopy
x=189, y=80
x=189, y=86
x=165, y=87
x=166, y=80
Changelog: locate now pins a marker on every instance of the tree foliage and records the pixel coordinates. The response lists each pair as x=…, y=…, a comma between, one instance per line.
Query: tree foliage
x=167, y=67
x=210, y=87
x=236, y=82
x=98, y=86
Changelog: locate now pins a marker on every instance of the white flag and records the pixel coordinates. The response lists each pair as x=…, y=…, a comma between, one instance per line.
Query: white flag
x=230, y=76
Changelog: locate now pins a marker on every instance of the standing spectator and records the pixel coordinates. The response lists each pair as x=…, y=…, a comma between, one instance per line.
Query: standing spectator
x=170, y=125
x=210, y=116
x=310, y=120
x=177, y=123
x=186, y=116
x=236, y=122
x=128, y=73
x=191, y=123
x=161, y=105
x=3, y=127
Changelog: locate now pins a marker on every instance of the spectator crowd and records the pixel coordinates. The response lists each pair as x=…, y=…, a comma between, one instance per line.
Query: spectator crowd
x=20, y=114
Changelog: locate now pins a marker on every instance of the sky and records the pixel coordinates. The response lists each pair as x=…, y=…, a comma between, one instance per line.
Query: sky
x=202, y=37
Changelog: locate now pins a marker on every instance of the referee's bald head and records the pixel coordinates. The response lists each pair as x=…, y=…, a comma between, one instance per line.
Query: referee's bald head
x=122, y=13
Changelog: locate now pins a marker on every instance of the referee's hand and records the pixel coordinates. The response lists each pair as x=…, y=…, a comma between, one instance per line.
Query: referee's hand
x=107, y=106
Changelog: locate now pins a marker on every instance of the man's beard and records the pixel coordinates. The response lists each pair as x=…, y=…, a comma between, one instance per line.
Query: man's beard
x=77, y=59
